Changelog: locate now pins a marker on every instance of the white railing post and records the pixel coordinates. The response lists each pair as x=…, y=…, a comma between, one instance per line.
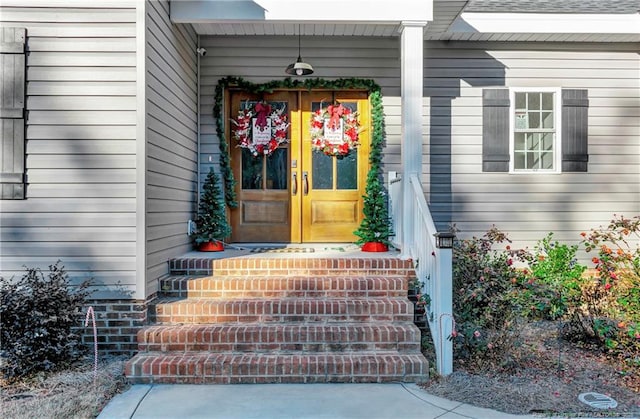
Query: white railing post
x=394, y=187
x=445, y=321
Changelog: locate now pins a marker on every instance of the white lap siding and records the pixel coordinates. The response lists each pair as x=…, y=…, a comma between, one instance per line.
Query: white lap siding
x=171, y=107
x=80, y=204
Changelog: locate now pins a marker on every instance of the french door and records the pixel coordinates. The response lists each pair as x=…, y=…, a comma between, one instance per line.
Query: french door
x=296, y=194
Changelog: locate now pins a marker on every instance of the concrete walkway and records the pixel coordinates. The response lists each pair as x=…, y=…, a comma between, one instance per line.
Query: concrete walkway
x=281, y=401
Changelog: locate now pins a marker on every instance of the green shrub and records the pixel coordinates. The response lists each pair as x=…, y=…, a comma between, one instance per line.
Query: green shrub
x=38, y=314
x=610, y=309
x=484, y=308
x=551, y=285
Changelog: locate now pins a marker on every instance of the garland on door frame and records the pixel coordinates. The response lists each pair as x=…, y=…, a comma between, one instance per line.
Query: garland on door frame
x=377, y=117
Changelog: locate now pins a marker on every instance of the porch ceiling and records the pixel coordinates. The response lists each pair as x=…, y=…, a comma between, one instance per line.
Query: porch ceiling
x=451, y=20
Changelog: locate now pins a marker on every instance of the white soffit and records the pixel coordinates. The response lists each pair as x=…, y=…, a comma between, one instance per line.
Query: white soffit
x=378, y=11
x=546, y=23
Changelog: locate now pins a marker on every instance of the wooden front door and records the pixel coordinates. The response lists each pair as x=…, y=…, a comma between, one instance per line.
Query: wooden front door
x=297, y=194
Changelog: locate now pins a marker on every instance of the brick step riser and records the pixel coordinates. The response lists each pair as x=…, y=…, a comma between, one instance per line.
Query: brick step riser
x=257, y=368
x=292, y=267
x=402, y=273
x=278, y=318
x=293, y=310
x=262, y=338
x=402, y=347
x=300, y=287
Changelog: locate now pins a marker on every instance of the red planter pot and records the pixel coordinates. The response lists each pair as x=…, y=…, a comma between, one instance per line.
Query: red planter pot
x=211, y=247
x=374, y=247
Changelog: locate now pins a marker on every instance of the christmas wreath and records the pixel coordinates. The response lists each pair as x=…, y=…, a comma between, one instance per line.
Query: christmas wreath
x=260, y=128
x=334, y=130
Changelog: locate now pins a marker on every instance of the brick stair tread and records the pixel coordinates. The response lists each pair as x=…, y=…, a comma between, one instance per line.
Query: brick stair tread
x=259, y=337
x=232, y=368
x=262, y=266
x=199, y=310
x=283, y=286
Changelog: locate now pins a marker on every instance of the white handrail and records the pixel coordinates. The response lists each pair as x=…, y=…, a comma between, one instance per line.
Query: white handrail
x=433, y=266
x=395, y=208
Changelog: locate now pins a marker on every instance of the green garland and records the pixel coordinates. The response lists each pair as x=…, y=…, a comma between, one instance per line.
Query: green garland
x=377, y=138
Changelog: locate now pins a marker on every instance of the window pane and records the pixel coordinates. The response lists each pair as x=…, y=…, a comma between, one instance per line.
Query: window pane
x=534, y=120
x=532, y=160
x=277, y=169
x=519, y=141
x=547, y=160
x=521, y=102
x=347, y=168
x=533, y=141
x=251, y=170
x=533, y=100
x=547, y=141
x=547, y=101
x=519, y=162
x=322, y=170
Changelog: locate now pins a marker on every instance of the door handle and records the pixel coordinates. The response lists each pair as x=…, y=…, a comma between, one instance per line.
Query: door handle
x=305, y=180
x=294, y=184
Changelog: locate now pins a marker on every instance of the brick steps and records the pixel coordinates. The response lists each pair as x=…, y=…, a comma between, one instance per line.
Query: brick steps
x=283, y=266
x=233, y=368
x=283, y=287
x=202, y=310
x=281, y=320
x=265, y=337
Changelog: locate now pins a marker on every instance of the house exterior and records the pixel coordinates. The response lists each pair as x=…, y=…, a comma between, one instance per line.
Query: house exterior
x=518, y=113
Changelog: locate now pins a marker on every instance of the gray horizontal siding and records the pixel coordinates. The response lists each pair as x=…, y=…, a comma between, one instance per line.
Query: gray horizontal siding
x=171, y=106
x=80, y=204
x=529, y=206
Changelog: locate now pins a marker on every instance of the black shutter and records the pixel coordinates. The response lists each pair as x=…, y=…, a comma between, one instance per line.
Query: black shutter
x=575, y=126
x=495, y=130
x=12, y=80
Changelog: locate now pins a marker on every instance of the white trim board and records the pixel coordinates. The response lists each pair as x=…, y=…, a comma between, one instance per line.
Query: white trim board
x=546, y=23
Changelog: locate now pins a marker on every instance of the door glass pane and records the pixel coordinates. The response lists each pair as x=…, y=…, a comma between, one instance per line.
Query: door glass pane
x=347, y=168
x=251, y=170
x=277, y=169
x=322, y=171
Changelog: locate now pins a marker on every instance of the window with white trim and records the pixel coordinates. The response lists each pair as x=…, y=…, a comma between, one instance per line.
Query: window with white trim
x=570, y=128
x=534, y=130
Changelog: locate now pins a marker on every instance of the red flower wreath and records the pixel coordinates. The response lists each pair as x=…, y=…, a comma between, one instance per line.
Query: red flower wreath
x=262, y=112
x=330, y=117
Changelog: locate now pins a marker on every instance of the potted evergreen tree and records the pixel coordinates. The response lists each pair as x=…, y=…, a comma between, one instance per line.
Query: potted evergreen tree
x=212, y=225
x=375, y=228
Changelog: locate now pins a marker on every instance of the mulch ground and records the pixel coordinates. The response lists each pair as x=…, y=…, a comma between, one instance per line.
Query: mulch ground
x=550, y=375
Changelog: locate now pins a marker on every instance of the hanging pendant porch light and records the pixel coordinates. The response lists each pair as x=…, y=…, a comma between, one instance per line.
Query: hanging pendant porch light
x=299, y=68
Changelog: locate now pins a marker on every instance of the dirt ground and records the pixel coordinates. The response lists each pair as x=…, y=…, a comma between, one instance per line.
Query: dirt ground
x=547, y=380
x=73, y=393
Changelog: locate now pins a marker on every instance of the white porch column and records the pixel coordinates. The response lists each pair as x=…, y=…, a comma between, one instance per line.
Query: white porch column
x=412, y=52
